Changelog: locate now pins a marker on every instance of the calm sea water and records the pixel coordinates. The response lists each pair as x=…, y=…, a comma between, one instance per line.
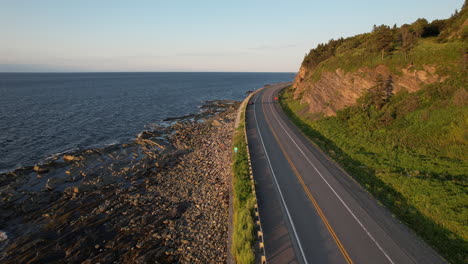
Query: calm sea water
x=42, y=114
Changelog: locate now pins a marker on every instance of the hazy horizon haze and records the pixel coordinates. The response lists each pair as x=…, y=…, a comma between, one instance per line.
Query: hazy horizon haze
x=240, y=36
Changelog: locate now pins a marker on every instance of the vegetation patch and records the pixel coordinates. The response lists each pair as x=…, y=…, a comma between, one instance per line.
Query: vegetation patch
x=440, y=42
x=409, y=151
x=243, y=237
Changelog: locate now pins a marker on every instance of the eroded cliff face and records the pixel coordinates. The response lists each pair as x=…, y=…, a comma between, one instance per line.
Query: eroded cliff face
x=338, y=89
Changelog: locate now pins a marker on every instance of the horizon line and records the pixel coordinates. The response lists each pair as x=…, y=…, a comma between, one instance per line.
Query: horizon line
x=145, y=72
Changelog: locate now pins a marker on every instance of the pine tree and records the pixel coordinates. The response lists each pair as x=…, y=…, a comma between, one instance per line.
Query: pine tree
x=383, y=39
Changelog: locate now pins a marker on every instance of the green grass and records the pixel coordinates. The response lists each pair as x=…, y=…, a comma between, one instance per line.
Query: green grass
x=243, y=235
x=411, y=155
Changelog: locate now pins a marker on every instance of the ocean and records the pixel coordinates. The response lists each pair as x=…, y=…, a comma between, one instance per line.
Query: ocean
x=43, y=114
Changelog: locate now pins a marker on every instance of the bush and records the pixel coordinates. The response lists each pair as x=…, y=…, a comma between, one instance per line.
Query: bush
x=243, y=238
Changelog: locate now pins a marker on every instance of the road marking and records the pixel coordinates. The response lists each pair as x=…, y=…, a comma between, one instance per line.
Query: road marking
x=311, y=197
x=333, y=190
x=277, y=185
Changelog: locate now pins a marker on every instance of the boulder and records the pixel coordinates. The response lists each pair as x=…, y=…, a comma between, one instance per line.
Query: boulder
x=70, y=158
x=40, y=169
x=53, y=183
x=72, y=190
x=216, y=123
x=148, y=134
x=3, y=236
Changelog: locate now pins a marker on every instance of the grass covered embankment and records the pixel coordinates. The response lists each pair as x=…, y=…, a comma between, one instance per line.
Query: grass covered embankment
x=409, y=153
x=243, y=238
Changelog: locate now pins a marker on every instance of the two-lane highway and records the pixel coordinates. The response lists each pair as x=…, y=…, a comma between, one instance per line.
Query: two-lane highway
x=311, y=211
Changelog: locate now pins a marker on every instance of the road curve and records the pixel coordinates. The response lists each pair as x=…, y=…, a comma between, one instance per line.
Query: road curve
x=311, y=211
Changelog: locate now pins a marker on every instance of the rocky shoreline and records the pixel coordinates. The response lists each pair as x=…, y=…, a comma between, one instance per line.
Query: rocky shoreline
x=163, y=198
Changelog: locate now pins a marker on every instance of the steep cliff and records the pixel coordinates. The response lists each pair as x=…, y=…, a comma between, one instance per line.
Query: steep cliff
x=338, y=89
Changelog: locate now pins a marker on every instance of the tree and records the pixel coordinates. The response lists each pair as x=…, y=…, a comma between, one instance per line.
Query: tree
x=378, y=95
x=419, y=26
x=383, y=39
x=434, y=28
x=408, y=37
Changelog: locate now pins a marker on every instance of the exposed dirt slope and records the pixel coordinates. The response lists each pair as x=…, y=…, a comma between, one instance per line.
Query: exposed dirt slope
x=338, y=89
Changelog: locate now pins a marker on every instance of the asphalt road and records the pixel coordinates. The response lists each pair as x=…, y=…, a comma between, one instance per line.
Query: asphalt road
x=311, y=211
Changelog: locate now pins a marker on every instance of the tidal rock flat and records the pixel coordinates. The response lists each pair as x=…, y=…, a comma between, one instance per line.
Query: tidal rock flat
x=163, y=198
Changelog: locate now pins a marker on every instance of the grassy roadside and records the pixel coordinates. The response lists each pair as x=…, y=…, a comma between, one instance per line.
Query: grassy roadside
x=414, y=165
x=243, y=238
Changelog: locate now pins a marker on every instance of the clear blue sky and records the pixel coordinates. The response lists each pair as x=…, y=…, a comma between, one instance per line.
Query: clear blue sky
x=100, y=35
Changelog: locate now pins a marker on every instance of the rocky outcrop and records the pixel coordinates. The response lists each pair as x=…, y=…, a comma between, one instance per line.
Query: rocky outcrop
x=162, y=198
x=339, y=89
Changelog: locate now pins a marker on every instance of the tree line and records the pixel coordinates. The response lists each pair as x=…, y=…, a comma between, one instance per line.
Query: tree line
x=384, y=39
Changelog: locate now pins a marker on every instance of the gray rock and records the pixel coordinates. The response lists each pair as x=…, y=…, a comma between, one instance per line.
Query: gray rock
x=3, y=236
x=53, y=183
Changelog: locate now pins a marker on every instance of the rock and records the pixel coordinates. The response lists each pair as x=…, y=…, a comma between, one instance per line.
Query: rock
x=71, y=190
x=28, y=206
x=70, y=158
x=321, y=95
x=148, y=134
x=3, y=236
x=40, y=169
x=14, y=195
x=135, y=203
x=86, y=187
x=53, y=183
x=105, y=180
x=216, y=123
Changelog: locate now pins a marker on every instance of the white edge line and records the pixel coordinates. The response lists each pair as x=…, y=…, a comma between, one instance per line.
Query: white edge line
x=276, y=183
x=333, y=190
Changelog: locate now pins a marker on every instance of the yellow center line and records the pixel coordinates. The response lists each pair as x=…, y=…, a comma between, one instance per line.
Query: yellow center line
x=311, y=197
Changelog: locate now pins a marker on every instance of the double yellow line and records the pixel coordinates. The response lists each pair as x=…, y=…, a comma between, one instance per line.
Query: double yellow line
x=311, y=197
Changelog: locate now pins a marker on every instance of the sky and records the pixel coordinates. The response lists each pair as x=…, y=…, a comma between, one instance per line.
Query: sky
x=246, y=36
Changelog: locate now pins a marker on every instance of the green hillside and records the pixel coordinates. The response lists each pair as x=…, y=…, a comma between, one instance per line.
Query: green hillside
x=441, y=42
x=410, y=150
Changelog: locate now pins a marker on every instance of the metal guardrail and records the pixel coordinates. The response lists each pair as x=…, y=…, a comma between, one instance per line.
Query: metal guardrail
x=261, y=243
